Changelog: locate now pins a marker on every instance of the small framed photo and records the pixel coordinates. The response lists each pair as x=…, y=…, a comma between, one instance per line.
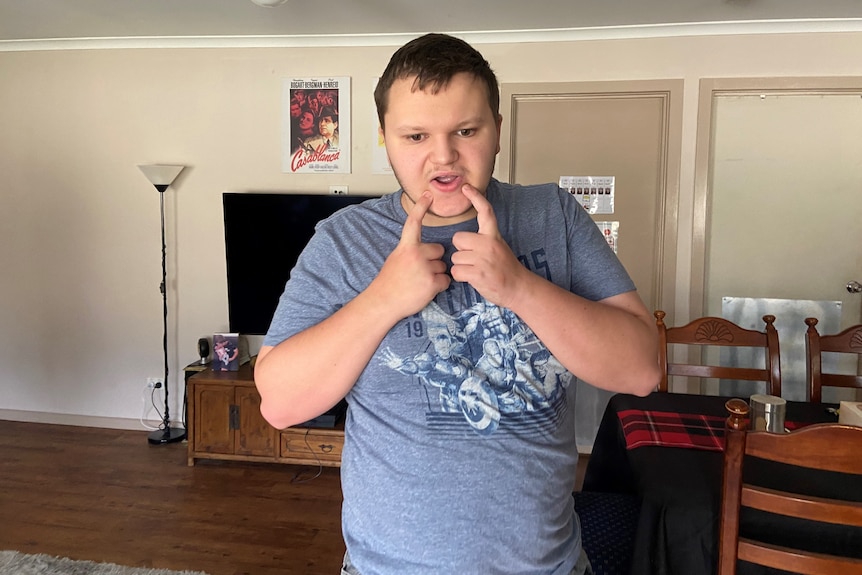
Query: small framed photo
x=225, y=352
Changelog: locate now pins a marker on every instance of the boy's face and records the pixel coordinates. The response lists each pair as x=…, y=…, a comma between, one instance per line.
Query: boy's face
x=439, y=142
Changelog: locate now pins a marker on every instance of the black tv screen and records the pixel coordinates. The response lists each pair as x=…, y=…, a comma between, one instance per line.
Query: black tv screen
x=264, y=235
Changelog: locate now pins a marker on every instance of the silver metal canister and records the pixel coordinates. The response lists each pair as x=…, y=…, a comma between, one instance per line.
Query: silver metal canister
x=767, y=413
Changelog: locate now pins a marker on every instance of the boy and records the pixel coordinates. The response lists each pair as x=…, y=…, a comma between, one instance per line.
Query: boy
x=454, y=316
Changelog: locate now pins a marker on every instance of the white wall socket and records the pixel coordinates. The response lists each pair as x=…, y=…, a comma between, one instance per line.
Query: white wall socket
x=338, y=190
x=154, y=382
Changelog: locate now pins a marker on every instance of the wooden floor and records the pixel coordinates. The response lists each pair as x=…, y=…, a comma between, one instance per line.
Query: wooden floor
x=109, y=496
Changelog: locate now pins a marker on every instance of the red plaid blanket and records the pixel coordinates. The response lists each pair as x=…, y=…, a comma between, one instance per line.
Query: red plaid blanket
x=672, y=429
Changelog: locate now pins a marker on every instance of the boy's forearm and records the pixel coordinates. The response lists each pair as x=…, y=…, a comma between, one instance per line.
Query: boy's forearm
x=308, y=373
x=611, y=344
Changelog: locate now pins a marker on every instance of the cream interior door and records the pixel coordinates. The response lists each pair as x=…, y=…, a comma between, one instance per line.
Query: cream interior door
x=629, y=130
x=785, y=210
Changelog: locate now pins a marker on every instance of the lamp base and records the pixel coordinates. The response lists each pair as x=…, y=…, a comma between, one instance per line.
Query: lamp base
x=169, y=435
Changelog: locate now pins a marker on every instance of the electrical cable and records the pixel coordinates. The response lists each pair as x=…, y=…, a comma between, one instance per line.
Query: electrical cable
x=144, y=410
x=156, y=407
x=295, y=478
x=185, y=406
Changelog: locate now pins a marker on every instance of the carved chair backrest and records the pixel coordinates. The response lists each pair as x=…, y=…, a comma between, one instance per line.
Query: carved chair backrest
x=848, y=341
x=716, y=331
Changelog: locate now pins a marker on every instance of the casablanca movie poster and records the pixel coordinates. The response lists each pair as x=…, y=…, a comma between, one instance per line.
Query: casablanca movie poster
x=316, y=126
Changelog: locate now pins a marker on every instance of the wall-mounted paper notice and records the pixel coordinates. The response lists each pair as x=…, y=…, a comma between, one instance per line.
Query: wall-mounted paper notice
x=595, y=193
x=611, y=232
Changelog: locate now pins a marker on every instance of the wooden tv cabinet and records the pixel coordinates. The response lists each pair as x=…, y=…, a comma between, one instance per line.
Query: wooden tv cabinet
x=224, y=422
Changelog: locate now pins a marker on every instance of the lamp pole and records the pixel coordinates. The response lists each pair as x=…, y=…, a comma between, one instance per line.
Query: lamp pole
x=161, y=177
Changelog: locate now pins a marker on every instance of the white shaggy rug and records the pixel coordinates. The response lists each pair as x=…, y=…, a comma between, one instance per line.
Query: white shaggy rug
x=15, y=563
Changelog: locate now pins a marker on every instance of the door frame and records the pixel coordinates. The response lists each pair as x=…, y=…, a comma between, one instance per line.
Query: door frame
x=709, y=89
x=667, y=208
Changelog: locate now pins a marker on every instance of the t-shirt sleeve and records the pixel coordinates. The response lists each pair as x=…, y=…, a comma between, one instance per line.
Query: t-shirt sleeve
x=341, y=259
x=597, y=273
x=316, y=289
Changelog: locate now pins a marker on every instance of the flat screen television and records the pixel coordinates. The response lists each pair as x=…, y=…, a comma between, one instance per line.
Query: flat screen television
x=264, y=235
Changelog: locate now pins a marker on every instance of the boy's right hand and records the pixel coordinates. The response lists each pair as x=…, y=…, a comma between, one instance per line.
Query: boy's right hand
x=414, y=272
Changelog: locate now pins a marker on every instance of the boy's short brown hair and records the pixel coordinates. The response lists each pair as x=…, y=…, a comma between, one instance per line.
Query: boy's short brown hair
x=434, y=59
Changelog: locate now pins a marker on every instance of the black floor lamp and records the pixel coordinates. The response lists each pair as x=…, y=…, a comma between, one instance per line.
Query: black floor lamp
x=162, y=176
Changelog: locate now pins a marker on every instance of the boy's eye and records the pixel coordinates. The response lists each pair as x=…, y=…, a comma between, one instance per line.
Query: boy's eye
x=466, y=132
x=415, y=137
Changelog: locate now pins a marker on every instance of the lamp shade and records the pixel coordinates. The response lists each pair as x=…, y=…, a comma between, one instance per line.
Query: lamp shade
x=161, y=175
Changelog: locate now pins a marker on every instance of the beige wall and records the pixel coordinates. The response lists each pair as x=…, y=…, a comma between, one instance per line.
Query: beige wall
x=79, y=225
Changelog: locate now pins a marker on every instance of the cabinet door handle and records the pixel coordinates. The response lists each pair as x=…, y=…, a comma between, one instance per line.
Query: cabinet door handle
x=233, y=422
x=325, y=447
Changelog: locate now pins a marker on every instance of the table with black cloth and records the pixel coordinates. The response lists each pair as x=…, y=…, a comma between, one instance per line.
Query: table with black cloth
x=667, y=448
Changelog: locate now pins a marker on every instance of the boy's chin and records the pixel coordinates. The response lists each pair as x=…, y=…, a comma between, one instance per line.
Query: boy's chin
x=453, y=214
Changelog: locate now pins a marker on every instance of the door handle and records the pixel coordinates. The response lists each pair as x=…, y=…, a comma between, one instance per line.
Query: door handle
x=854, y=287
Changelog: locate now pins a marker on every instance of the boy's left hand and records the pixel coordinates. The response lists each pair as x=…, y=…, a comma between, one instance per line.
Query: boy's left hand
x=484, y=259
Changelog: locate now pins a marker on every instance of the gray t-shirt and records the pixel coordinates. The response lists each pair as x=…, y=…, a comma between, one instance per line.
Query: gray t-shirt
x=459, y=452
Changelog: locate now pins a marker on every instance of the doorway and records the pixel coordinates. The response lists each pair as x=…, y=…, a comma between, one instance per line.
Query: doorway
x=779, y=200
x=628, y=130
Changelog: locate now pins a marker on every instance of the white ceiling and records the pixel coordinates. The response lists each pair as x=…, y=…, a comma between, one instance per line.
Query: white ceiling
x=34, y=24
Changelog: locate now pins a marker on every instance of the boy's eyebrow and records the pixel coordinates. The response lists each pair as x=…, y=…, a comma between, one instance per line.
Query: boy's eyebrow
x=467, y=122
x=405, y=128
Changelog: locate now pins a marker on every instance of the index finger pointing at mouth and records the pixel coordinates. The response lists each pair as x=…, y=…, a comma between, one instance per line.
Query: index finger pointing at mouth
x=412, y=230
x=484, y=211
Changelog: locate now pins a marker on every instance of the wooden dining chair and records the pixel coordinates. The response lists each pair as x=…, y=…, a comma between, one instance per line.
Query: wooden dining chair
x=717, y=331
x=827, y=447
x=848, y=341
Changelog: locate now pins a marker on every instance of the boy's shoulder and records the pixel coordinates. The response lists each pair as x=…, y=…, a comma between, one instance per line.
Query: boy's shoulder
x=507, y=188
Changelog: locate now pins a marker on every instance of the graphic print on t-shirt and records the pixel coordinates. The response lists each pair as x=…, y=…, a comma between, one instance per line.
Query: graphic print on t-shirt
x=485, y=368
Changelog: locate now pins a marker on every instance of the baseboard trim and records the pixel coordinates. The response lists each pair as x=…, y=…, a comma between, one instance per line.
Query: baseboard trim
x=76, y=420
x=113, y=422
